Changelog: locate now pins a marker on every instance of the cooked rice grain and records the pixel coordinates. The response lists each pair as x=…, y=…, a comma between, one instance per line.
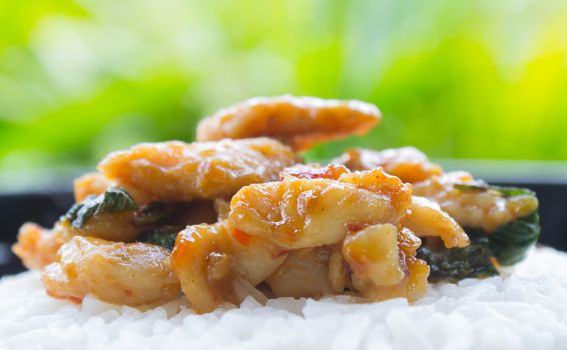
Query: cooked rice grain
x=527, y=310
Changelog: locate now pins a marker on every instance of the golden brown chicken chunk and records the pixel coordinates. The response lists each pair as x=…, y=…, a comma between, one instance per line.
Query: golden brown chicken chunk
x=377, y=262
x=213, y=266
x=94, y=184
x=176, y=171
x=310, y=235
x=372, y=253
x=304, y=274
x=132, y=274
x=407, y=163
x=116, y=227
x=37, y=246
x=426, y=219
x=475, y=209
x=414, y=283
x=299, y=122
x=302, y=213
x=90, y=184
x=203, y=263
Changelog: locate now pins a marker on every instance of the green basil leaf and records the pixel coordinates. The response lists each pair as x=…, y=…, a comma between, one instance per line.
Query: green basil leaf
x=510, y=242
x=111, y=201
x=164, y=236
x=116, y=200
x=455, y=264
x=509, y=192
x=85, y=212
x=472, y=187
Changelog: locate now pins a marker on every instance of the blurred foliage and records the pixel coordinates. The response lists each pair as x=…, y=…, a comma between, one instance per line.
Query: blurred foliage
x=480, y=79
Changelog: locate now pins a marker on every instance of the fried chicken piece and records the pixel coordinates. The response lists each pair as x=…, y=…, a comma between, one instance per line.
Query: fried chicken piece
x=303, y=213
x=372, y=253
x=175, y=171
x=90, y=184
x=213, y=267
x=486, y=210
x=300, y=122
x=407, y=163
x=304, y=274
x=115, y=216
x=308, y=195
x=37, y=246
x=316, y=232
x=116, y=227
x=255, y=258
x=94, y=184
x=379, y=258
x=414, y=283
x=131, y=274
x=427, y=219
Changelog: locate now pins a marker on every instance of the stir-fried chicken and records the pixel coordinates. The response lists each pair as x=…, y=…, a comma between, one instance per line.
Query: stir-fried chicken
x=237, y=214
x=122, y=273
x=299, y=122
x=176, y=171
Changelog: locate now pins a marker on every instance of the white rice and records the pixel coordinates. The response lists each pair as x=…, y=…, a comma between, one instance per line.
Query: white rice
x=527, y=310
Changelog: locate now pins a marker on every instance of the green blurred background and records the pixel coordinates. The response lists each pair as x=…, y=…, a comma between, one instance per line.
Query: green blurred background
x=481, y=79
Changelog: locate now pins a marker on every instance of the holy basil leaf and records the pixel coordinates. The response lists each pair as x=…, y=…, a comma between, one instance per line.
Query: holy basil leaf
x=81, y=212
x=73, y=212
x=509, y=192
x=471, y=187
x=116, y=200
x=164, y=236
x=87, y=210
x=510, y=242
x=111, y=201
x=455, y=264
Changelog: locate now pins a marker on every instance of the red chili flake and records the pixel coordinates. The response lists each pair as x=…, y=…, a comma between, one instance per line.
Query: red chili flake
x=241, y=237
x=354, y=227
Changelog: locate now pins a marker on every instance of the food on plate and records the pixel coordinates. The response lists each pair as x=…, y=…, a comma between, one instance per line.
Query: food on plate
x=475, y=204
x=407, y=163
x=37, y=246
x=300, y=122
x=502, y=222
x=176, y=171
x=116, y=272
x=239, y=214
x=288, y=230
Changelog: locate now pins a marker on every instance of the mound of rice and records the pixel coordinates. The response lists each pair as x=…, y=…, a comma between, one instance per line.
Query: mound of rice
x=527, y=310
